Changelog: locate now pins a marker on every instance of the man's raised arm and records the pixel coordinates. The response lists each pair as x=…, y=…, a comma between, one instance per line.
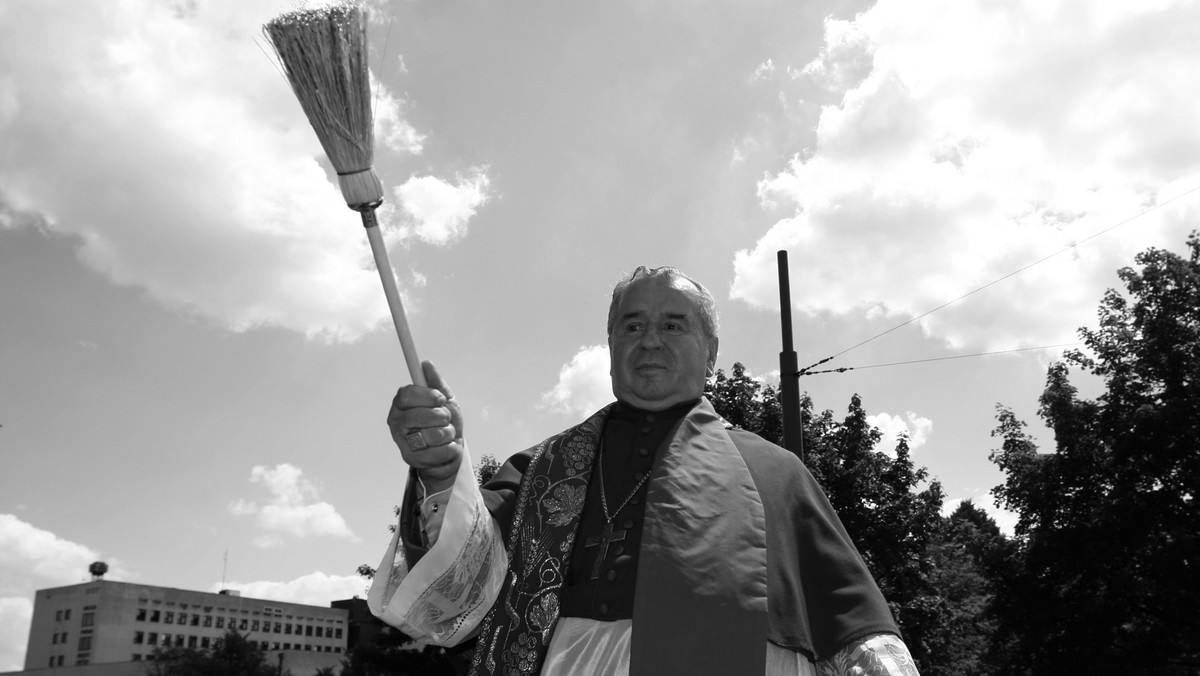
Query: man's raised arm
x=442, y=596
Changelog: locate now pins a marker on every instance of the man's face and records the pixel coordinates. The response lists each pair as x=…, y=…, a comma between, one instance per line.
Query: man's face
x=660, y=355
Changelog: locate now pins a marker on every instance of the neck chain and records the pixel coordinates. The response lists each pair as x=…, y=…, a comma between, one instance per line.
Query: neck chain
x=604, y=492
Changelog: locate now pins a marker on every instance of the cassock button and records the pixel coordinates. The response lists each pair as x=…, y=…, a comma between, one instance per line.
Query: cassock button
x=649, y=417
x=611, y=575
x=618, y=550
x=603, y=608
x=623, y=561
x=643, y=452
x=635, y=501
x=647, y=429
x=627, y=524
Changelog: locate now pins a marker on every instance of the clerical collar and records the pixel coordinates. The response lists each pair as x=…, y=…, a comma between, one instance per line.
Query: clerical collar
x=629, y=413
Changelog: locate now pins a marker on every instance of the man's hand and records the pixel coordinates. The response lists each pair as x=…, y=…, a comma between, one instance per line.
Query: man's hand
x=427, y=425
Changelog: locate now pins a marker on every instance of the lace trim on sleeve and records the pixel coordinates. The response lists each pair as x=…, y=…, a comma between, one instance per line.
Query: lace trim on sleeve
x=446, y=594
x=874, y=655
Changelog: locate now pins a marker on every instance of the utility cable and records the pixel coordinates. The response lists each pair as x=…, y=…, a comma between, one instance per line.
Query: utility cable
x=806, y=372
x=1001, y=279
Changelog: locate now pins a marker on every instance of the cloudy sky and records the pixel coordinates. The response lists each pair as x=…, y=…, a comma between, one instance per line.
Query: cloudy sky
x=195, y=353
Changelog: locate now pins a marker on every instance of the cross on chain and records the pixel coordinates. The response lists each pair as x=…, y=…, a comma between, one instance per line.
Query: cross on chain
x=602, y=541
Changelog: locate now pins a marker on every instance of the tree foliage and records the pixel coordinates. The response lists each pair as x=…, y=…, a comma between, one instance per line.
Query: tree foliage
x=1107, y=579
x=230, y=655
x=390, y=652
x=486, y=469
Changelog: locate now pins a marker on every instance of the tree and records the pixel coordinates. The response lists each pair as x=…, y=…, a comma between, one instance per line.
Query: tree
x=487, y=468
x=230, y=655
x=1109, y=528
x=966, y=554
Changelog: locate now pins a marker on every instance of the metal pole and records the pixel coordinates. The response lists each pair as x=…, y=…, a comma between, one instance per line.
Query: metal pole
x=789, y=370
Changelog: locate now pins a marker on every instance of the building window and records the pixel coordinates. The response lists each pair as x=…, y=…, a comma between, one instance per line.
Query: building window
x=57, y=618
x=154, y=615
x=195, y=620
x=287, y=629
x=141, y=615
x=179, y=640
x=85, y=643
x=67, y=614
x=220, y=622
x=308, y=630
x=170, y=617
x=204, y=642
x=208, y=620
x=81, y=661
x=278, y=627
x=137, y=657
x=243, y=624
x=253, y=625
x=191, y=641
x=337, y=633
x=89, y=618
x=139, y=637
x=152, y=639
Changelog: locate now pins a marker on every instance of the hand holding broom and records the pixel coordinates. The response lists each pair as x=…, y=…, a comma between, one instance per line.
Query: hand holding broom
x=324, y=55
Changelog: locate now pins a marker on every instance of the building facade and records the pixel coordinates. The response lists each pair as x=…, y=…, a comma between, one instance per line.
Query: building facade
x=102, y=622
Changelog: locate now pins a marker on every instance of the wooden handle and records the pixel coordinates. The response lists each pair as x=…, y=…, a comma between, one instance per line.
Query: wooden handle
x=393, y=297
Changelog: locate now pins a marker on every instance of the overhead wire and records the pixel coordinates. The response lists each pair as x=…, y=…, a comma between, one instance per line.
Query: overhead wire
x=843, y=369
x=807, y=370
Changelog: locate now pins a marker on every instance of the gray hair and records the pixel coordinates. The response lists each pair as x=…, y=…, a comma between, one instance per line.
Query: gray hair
x=708, y=305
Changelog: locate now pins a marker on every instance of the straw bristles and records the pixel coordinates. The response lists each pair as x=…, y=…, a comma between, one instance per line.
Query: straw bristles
x=324, y=54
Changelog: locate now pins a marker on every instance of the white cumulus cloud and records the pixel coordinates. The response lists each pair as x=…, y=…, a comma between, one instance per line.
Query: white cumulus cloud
x=168, y=147
x=584, y=385
x=316, y=589
x=437, y=212
x=917, y=428
x=294, y=507
x=969, y=139
x=30, y=559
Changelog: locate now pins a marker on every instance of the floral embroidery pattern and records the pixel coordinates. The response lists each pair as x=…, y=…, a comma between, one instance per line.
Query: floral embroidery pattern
x=516, y=633
x=566, y=504
x=544, y=613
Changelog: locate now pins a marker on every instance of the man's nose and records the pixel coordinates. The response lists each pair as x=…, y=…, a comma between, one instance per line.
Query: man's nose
x=651, y=338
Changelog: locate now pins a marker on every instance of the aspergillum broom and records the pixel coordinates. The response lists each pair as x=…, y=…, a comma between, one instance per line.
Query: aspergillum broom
x=324, y=56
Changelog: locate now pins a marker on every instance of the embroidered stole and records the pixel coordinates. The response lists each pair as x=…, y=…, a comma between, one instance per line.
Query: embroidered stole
x=700, y=603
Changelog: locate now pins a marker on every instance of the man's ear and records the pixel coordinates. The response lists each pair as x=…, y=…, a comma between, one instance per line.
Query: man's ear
x=712, y=356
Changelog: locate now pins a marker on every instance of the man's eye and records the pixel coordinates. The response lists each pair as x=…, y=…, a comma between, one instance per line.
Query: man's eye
x=633, y=328
x=673, y=326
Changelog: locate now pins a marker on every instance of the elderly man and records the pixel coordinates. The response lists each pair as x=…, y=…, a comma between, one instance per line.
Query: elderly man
x=648, y=539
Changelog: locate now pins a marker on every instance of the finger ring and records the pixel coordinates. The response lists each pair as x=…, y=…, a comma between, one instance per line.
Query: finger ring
x=416, y=440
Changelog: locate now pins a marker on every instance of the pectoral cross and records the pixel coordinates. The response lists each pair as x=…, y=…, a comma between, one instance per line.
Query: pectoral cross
x=602, y=541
